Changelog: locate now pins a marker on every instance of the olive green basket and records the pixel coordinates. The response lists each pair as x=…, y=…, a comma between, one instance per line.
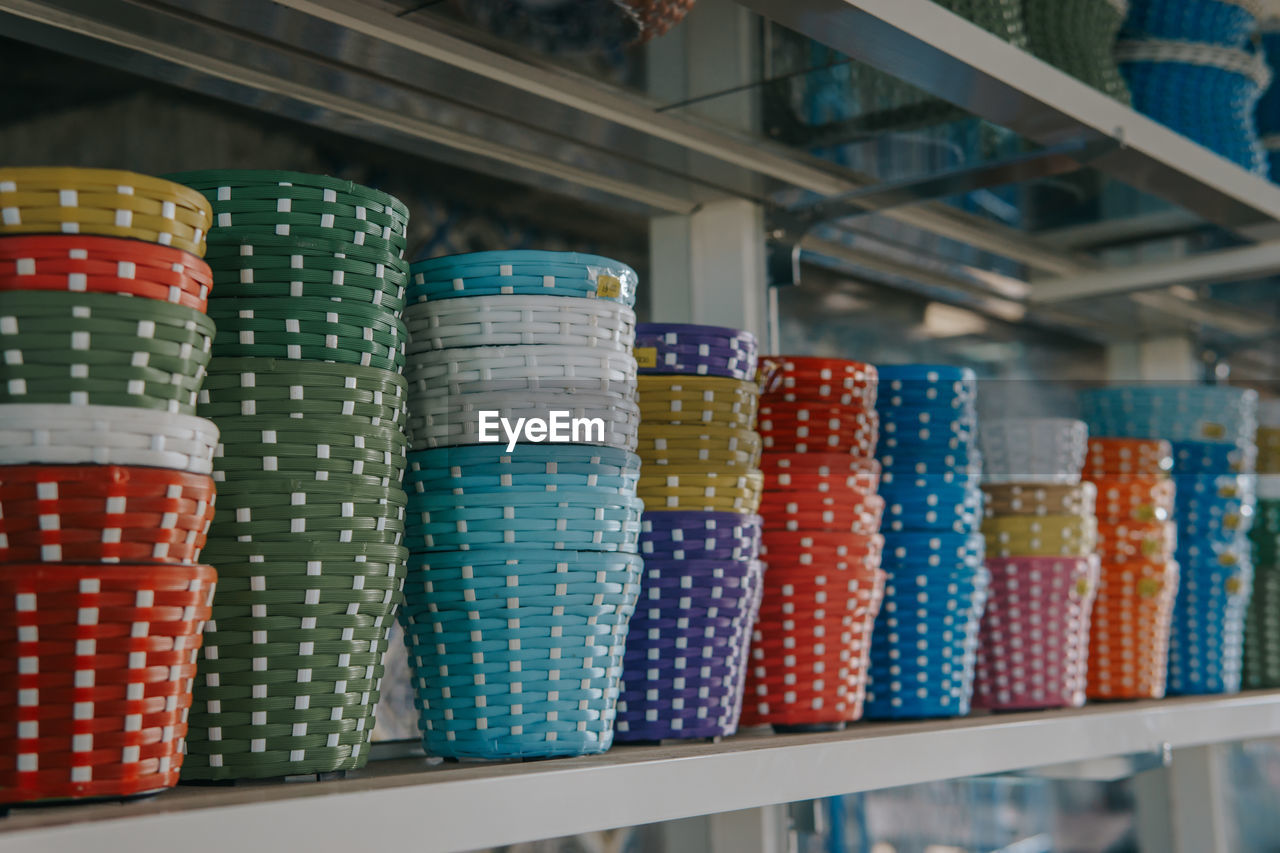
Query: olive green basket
x=1079, y=37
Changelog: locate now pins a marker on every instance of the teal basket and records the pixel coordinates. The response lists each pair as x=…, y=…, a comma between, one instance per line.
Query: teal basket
x=517, y=653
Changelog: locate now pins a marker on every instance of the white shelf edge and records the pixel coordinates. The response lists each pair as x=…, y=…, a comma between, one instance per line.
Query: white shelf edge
x=470, y=806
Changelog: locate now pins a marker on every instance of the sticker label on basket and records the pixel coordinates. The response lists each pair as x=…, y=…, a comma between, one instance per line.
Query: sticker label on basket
x=608, y=287
x=559, y=427
x=646, y=357
x=1214, y=431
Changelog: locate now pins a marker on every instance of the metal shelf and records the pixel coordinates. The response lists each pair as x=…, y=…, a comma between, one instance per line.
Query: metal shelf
x=367, y=69
x=951, y=58
x=454, y=807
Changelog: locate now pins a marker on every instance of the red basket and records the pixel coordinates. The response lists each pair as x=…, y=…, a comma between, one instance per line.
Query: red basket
x=99, y=662
x=81, y=263
x=103, y=513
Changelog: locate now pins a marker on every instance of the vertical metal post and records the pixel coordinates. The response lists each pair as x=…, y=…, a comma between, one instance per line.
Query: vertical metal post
x=762, y=830
x=709, y=267
x=1171, y=359
x=1197, y=805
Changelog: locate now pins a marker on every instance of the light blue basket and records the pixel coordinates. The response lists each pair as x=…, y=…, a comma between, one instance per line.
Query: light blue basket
x=518, y=653
x=1175, y=412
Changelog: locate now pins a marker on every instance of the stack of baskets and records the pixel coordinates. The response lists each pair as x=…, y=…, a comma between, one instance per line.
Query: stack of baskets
x=1040, y=534
x=524, y=569
x=1211, y=429
x=922, y=654
x=1262, y=626
x=1129, y=634
x=1079, y=37
x=823, y=586
x=305, y=387
x=1189, y=66
x=686, y=656
x=105, y=486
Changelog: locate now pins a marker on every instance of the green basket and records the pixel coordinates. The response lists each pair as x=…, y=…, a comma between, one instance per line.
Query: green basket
x=1079, y=36
x=1262, y=631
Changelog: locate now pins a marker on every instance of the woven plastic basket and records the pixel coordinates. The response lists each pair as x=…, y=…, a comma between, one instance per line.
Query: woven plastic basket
x=932, y=674
x=1222, y=22
x=1129, y=631
x=291, y=669
x=96, y=674
x=1035, y=633
x=1206, y=93
x=686, y=658
x=1262, y=631
x=517, y=653
x=1077, y=36
x=809, y=650
x=1268, y=111
x=1206, y=643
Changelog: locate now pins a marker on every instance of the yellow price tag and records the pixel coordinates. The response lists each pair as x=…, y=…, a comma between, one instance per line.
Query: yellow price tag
x=1149, y=587
x=1214, y=430
x=1234, y=585
x=608, y=287
x=1082, y=587
x=646, y=357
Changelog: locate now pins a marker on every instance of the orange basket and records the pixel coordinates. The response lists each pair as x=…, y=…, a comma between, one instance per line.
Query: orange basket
x=1128, y=457
x=1129, y=630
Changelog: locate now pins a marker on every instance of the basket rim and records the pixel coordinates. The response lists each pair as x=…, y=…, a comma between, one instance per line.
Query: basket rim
x=1244, y=63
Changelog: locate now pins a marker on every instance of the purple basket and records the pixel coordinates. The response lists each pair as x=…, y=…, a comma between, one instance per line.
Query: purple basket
x=693, y=535
x=666, y=348
x=684, y=668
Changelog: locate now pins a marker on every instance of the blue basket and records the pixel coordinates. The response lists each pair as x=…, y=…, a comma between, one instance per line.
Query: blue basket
x=924, y=645
x=684, y=670
x=1213, y=457
x=1206, y=644
x=1268, y=111
x=1208, y=104
x=1211, y=21
x=518, y=653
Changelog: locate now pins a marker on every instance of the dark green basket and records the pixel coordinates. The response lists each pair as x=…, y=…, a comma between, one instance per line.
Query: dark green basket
x=1078, y=36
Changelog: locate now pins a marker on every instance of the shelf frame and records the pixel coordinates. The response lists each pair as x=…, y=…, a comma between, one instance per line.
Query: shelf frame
x=459, y=807
x=953, y=59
